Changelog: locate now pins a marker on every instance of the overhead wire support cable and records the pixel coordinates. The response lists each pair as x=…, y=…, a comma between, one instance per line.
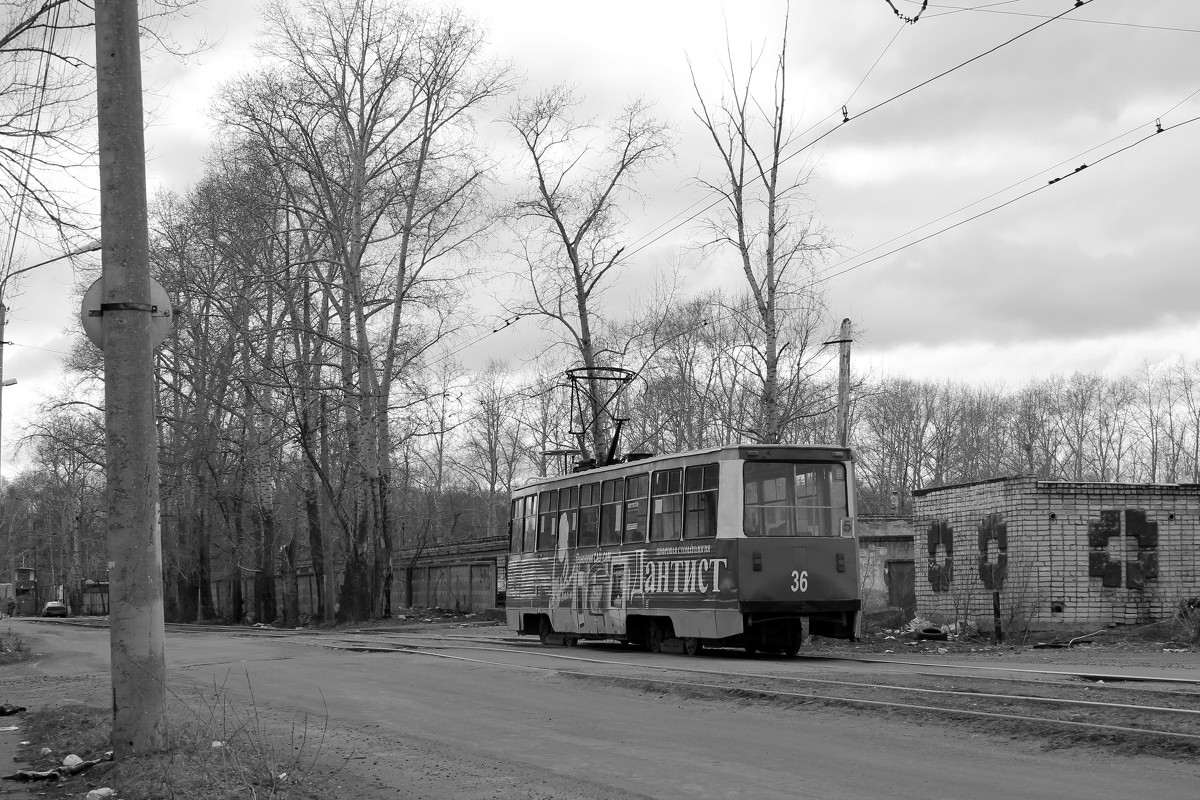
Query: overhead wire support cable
x=637, y=248
x=24, y=187
x=909, y=20
x=987, y=9
x=993, y=194
x=940, y=75
x=829, y=274
x=650, y=235
x=847, y=117
x=1159, y=129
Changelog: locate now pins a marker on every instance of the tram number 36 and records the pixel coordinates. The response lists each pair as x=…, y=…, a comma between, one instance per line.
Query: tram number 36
x=799, y=581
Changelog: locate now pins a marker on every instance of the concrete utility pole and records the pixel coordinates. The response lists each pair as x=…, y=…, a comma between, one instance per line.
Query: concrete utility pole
x=134, y=550
x=843, y=418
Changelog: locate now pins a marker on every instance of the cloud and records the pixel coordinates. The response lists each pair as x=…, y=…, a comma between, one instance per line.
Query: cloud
x=1014, y=364
x=988, y=286
x=1090, y=273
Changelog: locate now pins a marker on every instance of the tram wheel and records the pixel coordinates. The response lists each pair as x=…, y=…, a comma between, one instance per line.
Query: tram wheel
x=691, y=646
x=544, y=631
x=751, y=648
x=654, y=637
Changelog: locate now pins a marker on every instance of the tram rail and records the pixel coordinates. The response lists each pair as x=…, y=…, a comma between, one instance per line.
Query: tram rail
x=1147, y=718
x=1173, y=717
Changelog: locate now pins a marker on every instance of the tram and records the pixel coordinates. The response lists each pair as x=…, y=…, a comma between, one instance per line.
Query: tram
x=726, y=547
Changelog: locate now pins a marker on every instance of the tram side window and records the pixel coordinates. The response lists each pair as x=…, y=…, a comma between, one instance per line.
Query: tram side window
x=636, y=489
x=589, y=515
x=568, y=516
x=530, y=523
x=667, y=523
x=700, y=503
x=547, y=519
x=612, y=502
x=516, y=525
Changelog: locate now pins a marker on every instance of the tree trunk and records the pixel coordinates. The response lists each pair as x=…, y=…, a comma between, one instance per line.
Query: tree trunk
x=264, y=576
x=316, y=538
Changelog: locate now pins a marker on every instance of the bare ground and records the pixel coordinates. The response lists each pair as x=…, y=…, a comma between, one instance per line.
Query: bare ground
x=267, y=754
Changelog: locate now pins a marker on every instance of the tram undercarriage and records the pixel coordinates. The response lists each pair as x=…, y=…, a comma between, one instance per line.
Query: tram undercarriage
x=761, y=632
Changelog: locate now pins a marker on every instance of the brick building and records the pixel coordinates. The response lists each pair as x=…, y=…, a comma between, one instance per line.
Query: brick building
x=1052, y=552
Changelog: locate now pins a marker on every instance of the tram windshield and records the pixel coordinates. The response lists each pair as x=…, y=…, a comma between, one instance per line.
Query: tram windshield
x=793, y=499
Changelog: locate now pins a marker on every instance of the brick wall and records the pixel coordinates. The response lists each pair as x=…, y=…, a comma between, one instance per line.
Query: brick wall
x=1079, y=554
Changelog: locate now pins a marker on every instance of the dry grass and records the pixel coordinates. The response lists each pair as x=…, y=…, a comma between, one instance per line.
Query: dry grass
x=12, y=647
x=217, y=748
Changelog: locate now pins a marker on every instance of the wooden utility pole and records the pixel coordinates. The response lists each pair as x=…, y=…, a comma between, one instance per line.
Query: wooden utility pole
x=843, y=418
x=134, y=550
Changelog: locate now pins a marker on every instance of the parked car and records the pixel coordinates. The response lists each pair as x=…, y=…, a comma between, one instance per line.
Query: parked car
x=55, y=608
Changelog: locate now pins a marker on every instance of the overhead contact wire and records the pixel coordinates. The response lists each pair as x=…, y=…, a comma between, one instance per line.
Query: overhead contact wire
x=847, y=117
x=691, y=218
x=1160, y=129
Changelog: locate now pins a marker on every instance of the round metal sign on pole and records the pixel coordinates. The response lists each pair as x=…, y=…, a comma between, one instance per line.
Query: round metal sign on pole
x=92, y=316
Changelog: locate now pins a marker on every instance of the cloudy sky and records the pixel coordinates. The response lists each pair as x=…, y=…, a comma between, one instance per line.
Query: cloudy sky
x=1094, y=272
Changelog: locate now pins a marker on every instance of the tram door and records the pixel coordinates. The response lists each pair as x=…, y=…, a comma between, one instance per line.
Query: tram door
x=616, y=599
x=606, y=598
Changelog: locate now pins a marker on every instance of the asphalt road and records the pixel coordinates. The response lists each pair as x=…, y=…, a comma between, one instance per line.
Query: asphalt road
x=423, y=726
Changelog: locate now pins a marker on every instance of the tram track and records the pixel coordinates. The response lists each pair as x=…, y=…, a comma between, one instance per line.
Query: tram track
x=1059, y=712
x=1055, y=705
x=1058, y=706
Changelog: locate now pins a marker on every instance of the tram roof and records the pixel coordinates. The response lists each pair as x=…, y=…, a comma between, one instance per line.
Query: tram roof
x=754, y=452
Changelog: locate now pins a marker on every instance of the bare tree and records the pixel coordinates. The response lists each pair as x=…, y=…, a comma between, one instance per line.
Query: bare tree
x=65, y=497
x=1038, y=438
x=490, y=454
x=47, y=108
x=1187, y=376
x=764, y=216
x=368, y=115
x=1077, y=399
x=45, y=114
x=569, y=221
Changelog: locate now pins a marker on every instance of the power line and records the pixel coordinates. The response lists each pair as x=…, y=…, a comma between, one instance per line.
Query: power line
x=829, y=275
x=874, y=64
x=505, y=323
x=997, y=192
x=1158, y=129
x=651, y=233
x=989, y=10
x=45, y=57
x=972, y=8
x=984, y=54
x=847, y=117
x=637, y=249
x=43, y=349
